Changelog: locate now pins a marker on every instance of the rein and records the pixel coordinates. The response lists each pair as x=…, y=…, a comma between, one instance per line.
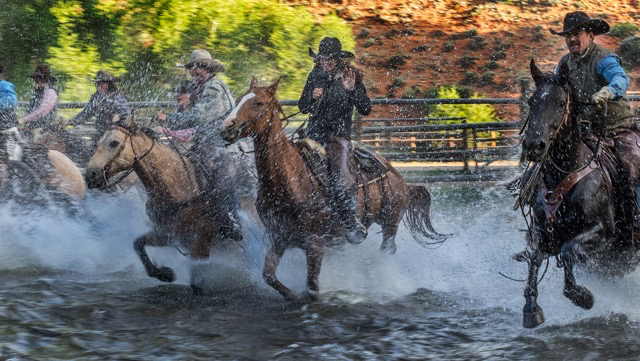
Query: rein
x=136, y=158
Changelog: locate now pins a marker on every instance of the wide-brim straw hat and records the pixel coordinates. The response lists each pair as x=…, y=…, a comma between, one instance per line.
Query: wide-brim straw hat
x=579, y=20
x=330, y=48
x=43, y=72
x=203, y=59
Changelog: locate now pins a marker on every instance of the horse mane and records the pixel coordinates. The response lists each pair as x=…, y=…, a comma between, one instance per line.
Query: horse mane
x=135, y=128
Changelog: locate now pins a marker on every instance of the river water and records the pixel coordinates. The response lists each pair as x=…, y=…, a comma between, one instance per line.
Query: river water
x=73, y=288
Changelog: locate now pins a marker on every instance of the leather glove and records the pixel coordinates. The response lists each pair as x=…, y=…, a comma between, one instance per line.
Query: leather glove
x=601, y=97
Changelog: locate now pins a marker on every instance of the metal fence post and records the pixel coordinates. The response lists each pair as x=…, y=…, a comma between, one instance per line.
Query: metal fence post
x=356, y=128
x=525, y=90
x=465, y=146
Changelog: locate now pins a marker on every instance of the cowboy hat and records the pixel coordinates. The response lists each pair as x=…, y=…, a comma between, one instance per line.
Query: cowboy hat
x=43, y=72
x=579, y=20
x=202, y=58
x=330, y=48
x=104, y=76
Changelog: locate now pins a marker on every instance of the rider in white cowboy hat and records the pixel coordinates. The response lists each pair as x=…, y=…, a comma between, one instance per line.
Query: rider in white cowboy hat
x=212, y=103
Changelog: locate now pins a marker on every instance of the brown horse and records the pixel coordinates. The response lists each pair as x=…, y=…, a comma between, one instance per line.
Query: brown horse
x=53, y=169
x=291, y=203
x=177, y=204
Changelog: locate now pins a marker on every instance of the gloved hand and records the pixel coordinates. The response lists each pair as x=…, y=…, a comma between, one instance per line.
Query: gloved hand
x=601, y=97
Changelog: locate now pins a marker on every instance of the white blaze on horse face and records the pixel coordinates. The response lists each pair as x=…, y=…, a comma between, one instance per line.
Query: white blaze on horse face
x=234, y=114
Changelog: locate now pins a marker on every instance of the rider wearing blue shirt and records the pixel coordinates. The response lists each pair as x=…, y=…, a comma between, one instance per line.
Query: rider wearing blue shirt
x=611, y=69
x=8, y=103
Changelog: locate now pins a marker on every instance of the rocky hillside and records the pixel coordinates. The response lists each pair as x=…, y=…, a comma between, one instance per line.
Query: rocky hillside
x=406, y=48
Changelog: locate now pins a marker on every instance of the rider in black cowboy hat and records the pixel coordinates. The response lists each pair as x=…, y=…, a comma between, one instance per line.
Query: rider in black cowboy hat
x=333, y=88
x=42, y=106
x=597, y=84
x=104, y=104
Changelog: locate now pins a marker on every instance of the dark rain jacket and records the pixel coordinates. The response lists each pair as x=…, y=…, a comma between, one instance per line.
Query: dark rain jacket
x=103, y=107
x=332, y=112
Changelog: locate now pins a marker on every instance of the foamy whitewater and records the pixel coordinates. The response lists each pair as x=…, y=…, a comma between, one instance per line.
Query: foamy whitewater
x=96, y=243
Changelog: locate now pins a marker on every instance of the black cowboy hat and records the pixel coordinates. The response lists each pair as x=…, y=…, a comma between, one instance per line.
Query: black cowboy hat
x=330, y=48
x=579, y=20
x=43, y=72
x=104, y=76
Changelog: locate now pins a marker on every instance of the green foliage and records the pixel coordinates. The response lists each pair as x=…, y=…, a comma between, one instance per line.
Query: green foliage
x=629, y=50
x=474, y=113
x=142, y=40
x=624, y=30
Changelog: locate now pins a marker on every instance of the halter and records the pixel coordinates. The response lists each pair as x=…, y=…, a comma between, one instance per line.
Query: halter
x=136, y=158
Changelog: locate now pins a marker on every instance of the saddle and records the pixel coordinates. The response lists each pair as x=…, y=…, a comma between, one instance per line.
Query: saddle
x=367, y=166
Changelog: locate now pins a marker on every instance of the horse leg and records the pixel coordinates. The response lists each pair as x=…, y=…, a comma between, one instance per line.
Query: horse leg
x=579, y=295
x=389, y=231
x=532, y=315
x=199, y=251
x=164, y=274
x=315, y=252
x=274, y=254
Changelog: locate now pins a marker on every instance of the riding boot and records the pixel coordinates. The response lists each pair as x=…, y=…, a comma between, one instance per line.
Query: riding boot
x=347, y=206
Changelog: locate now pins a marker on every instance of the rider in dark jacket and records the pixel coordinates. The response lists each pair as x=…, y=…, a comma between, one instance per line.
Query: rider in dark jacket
x=104, y=104
x=332, y=90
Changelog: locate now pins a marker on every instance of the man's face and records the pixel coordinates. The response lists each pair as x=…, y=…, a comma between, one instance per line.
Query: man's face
x=41, y=82
x=183, y=99
x=328, y=64
x=102, y=87
x=198, y=73
x=578, y=41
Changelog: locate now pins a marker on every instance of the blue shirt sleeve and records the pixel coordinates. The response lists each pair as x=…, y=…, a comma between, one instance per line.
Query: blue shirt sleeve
x=8, y=96
x=611, y=69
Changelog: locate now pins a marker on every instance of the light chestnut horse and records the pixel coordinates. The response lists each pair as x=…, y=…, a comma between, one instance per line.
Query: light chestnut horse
x=291, y=203
x=177, y=205
x=64, y=176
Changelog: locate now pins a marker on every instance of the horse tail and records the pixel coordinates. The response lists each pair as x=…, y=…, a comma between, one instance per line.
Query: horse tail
x=418, y=217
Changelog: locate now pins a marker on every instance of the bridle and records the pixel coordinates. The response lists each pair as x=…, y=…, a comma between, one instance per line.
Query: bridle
x=136, y=158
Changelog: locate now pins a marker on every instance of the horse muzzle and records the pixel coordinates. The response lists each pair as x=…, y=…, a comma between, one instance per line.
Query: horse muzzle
x=95, y=178
x=230, y=134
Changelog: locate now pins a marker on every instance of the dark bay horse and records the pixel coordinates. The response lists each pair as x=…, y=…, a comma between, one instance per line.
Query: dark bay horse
x=290, y=200
x=577, y=215
x=177, y=205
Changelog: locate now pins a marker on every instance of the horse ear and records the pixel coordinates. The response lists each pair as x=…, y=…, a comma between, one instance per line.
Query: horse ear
x=536, y=74
x=274, y=87
x=129, y=121
x=254, y=83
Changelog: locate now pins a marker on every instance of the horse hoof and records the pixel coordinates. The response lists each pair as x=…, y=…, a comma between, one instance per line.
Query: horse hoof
x=580, y=296
x=310, y=296
x=532, y=319
x=164, y=274
x=197, y=291
x=388, y=249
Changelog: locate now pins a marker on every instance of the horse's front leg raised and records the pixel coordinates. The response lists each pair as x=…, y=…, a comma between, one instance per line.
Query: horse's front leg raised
x=570, y=253
x=164, y=274
x=532, y=315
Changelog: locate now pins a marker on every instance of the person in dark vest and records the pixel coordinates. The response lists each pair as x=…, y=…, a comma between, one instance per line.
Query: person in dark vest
x=41, y=110
x=104, y=104
x=332, y=90
x=597, y=85
x=181, y=124
x=8, y=103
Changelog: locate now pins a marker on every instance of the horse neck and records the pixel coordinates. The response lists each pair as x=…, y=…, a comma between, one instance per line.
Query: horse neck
x=280, y=166
x=162, y=171
x=568, y=152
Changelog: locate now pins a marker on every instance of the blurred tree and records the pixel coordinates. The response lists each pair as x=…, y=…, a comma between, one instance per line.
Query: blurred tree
x=141, y=40
x=474, y=113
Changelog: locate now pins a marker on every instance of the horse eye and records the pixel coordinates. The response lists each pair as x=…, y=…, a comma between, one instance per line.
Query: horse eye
x=258, y=104
x=114, y=143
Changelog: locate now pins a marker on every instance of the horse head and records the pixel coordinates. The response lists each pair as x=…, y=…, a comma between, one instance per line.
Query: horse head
x=115, y=153
x=547, y=108
x=253, y=113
